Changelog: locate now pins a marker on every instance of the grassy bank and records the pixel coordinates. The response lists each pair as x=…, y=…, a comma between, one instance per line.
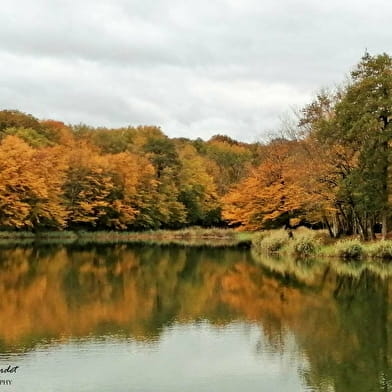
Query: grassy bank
x=194, y=236
x=308, y=254
x=304, y=243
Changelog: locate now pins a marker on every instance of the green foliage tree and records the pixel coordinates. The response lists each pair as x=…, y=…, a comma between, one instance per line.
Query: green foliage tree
x=363, y=121
x=17, y=119
x=230, y=162
x=355, y=125
x=30, y=136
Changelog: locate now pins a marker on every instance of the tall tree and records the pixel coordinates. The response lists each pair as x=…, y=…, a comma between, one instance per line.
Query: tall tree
x=197, y=188
x=31, y=186
x=366, y=113
x=362, y=123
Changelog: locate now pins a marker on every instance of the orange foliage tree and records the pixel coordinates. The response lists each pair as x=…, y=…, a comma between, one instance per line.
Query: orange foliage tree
x=267, y=194
x=31, y=185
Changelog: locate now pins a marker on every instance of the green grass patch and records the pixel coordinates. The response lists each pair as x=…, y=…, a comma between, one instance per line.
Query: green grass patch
x=351, y=249
x=380, y=250
x=304, y=243
x=270, y=242
x=299, y=243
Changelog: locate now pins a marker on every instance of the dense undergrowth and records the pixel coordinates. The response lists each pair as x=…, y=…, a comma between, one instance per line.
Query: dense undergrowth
x=305, y=243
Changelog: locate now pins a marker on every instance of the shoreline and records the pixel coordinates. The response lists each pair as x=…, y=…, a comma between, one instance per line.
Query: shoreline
x=212, y=237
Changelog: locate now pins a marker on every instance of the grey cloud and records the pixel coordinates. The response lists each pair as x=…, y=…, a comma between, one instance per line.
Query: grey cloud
x=194, y=68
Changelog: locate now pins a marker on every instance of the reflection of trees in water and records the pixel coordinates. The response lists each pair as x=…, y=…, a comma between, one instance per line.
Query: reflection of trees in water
x=338, y=319
x=345, y=334
x=358, y=357
x=135, y=290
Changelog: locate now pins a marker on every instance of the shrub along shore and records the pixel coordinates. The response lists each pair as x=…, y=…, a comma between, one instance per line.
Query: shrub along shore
x=303, y=242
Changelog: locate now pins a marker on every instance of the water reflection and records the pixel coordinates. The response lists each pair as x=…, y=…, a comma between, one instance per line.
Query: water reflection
x=59, y=292
x=254, y=322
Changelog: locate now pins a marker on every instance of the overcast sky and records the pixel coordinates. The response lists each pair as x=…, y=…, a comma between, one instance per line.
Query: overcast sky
x=195, y=68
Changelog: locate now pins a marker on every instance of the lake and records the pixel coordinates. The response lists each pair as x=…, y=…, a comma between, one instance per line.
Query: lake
x=147, y=318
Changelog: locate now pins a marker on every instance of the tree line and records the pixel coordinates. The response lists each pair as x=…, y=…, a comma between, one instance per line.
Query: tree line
x=331, y=170
x=336, y=170
x=55, y=176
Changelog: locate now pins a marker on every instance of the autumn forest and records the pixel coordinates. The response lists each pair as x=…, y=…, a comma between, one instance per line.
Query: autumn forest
x=330, y=169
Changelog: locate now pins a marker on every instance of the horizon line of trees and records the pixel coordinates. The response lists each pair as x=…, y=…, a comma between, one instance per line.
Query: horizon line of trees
x=332, y=169
x=54, y=176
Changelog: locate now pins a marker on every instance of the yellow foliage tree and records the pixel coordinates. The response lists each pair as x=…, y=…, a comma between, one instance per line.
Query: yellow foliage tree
x=197, y=187
x=31, y=185
x=95, y=190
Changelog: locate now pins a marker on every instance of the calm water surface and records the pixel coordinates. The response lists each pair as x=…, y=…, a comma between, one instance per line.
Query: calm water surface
x=151, y=319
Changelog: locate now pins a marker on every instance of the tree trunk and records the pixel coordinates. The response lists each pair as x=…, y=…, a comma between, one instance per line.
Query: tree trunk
x=384, y=222
x=370, y=230
x=362, y=230
x=331, y=234
x=386, y=169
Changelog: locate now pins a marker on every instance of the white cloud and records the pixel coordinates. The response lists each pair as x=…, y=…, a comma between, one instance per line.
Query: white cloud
x=194, y=68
